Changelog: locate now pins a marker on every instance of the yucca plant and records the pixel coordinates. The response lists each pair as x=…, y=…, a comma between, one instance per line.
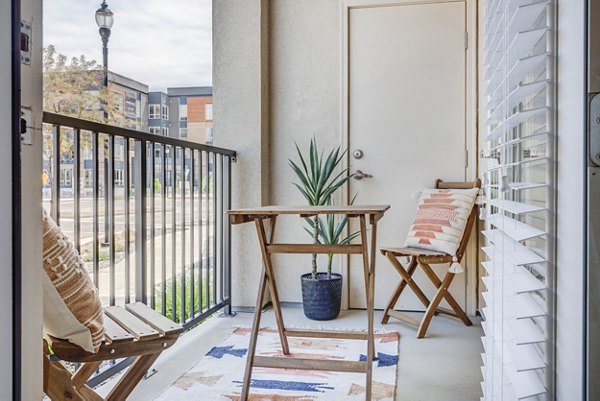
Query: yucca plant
x=330, y=233
x=319, y=179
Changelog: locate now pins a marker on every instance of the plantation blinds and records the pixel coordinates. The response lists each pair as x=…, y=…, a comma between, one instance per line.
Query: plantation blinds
x=518, y=185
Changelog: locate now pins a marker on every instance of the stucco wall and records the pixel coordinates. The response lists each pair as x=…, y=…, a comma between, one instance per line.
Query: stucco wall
x=240, y=88
x=273, y=84
x=305, y=85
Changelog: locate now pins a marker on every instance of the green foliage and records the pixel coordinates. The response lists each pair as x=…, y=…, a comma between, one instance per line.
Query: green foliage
x=74, y=88
x=71, y=87
x=330, y=233
x=178, y=299
x=103, y=256
x=318, y=182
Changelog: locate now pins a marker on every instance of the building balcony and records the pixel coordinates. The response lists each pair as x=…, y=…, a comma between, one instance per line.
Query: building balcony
x=146, y=213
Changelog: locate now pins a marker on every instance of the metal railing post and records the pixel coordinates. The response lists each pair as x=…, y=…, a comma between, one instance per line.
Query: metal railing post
x=140, y=221
x=227, y=252
x=106, y=194
x=77, y=188
x=55, y=211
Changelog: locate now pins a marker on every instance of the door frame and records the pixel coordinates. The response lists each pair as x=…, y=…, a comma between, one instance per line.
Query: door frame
x=471, y=122
x=592, y=219
x=10, y=179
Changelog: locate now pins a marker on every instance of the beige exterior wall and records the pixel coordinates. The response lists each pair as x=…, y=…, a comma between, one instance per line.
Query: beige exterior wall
x=196, y=132
x=261, y=114
x=305, y=80
x=240, y=85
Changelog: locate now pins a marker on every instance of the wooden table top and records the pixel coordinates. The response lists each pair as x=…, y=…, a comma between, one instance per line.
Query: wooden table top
x=239, y=216
x=311, y=210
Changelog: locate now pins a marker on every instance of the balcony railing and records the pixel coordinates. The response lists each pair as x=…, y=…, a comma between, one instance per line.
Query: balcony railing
x=145, y=212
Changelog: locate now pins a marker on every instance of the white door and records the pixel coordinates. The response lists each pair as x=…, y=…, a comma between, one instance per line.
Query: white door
x=406, y=113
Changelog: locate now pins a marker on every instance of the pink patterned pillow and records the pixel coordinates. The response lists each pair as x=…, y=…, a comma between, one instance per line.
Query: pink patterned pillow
x=441, y=219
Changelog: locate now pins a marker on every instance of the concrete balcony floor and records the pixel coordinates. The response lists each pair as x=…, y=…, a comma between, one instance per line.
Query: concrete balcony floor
x=444, y=366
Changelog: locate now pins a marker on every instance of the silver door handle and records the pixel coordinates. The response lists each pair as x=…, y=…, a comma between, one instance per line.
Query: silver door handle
x=359, y=175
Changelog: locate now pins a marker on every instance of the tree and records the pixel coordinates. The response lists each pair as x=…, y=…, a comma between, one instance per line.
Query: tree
x=74, y=88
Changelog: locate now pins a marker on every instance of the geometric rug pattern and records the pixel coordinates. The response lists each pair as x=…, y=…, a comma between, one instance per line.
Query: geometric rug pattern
x=218, y=376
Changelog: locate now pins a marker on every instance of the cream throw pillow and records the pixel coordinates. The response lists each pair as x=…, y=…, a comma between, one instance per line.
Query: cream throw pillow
x=441, y=219
x=72, y=307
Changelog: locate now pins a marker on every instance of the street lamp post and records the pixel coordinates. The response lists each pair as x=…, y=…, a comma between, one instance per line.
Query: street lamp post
x=105, y=20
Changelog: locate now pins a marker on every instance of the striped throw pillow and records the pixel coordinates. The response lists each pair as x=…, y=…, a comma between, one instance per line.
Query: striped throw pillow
x=72, y=306
x=441, y=219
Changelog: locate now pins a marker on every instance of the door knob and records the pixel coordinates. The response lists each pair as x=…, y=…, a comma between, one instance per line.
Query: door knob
x=359, y=175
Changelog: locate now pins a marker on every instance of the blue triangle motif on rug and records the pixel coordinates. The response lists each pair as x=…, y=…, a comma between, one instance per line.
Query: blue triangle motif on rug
x=219, y=352
x=383, y=360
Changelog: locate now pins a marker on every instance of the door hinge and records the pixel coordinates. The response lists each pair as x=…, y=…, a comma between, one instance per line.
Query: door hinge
x=466, y=40
x=466, y=158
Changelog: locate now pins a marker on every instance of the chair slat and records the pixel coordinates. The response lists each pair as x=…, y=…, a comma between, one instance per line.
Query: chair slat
x=457, y=185
x=412, y=252
x=114, y=332
x=132, y=324
x=153, y=318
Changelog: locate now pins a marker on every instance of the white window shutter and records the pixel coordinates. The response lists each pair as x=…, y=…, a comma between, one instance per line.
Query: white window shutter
x=519, y=86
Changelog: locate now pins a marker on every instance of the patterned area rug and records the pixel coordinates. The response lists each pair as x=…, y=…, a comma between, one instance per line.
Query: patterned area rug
x=218, y=376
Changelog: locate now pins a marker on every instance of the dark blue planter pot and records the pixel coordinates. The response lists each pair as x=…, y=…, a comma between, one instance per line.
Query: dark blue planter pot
x=322, y=297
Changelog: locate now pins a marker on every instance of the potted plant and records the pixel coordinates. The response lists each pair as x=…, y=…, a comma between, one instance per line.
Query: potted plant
x=319, y=180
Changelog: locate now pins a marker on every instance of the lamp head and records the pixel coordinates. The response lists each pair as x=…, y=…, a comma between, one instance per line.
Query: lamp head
x=104, y=17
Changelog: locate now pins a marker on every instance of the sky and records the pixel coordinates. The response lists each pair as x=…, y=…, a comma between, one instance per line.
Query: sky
x=159, y=43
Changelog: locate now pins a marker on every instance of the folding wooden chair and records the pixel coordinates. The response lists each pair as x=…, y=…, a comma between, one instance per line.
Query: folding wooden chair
x=134, y=331
x=425, y=258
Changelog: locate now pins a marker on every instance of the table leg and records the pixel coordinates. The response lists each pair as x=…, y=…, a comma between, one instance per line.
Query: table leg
x=268, y=265
x=370, y=309
x=254, y=335
x=257, y=315
x=365, y=253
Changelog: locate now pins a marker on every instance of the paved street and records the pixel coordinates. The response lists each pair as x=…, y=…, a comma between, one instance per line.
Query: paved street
x=86, y=213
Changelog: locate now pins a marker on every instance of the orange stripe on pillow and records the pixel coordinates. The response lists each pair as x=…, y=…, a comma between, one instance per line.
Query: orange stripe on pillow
x=439, y=201
x=437, y=207
x=443, y=223
x=425, y=234
x=428, y=227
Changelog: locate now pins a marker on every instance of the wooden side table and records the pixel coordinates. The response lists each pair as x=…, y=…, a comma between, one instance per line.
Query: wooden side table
x=365, y=214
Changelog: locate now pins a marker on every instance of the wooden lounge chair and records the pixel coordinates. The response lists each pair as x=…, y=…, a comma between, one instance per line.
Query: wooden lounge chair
x=134, y=331
x=424, y=258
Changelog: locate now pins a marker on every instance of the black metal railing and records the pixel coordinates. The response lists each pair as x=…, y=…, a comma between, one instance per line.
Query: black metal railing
x=146, y=213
